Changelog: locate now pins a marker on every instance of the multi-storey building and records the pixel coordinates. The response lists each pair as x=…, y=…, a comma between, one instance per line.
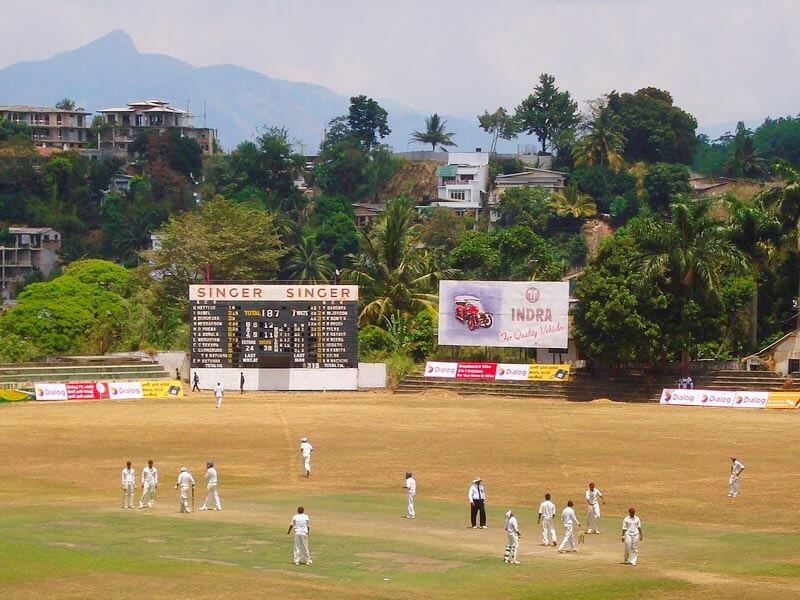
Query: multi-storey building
x=124, y=124
x=51, y=127
x=26, y=249
x=463, y=182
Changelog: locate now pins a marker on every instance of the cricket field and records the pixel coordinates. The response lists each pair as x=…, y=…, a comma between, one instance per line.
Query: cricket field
x=64, y=535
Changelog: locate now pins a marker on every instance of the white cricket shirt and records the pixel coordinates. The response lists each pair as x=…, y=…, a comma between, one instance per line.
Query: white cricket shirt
x=547, y=509
x=593, y=495
x=568, y=516
x=211, y=476
x=300, y=523
x=128, y=476
x=185, y=479
x=411, y=485
x=511, y=524
x=736, y=468
x=631, y=525
x=306, y=449
x=150, y=475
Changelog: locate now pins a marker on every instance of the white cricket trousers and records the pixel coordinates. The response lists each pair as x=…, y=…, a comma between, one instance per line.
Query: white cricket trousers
x=593, y=518
x=212, y=494
x=300, y=552
x=569, y=540
x=219, y=400
x=127, y=495
x=184, y=490
x=733, y=485
x=512, y=547
x=631, y=548
x=306, y=465
x=148, y=491
x=548, y=531
x=411, y=512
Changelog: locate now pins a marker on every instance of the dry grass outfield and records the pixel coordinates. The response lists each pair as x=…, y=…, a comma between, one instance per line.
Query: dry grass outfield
x=62, y=533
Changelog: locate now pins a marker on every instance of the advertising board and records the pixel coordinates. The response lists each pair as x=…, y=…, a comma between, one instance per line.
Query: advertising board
x=486, y=371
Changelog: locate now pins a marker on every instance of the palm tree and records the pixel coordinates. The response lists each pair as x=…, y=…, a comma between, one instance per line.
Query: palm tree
x=693, y=253
x=308, y=264
x=755, y=231
x=603, y=143
x=434, y=133
x=396, y=275
x=746, y=160
x=572, y=202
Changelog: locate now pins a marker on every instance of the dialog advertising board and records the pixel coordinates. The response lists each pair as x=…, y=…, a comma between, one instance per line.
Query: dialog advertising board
x=507, y=314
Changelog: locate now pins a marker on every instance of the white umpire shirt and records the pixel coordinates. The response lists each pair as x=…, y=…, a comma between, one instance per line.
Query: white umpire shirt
x=476, y=492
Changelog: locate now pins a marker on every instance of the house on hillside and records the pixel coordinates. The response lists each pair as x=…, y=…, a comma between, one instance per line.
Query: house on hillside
x=150, y=115
x=25, y=250
x=782, y=356
x=463, y=182
x=550, y=181
x=51, y=128
x=365, y=214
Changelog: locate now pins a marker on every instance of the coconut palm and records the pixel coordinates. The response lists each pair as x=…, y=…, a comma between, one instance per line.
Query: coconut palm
x=693, y=253
x=571, y=202
x=602, y=144
x=395, y=274
x=434, y=133
x=308, y=264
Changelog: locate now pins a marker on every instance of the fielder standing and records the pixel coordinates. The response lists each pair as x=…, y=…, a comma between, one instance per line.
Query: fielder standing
x=218, y=393
x=128, y=483
x=547, y=514
x=733, y=482
x=211, y=488
x=477, y=502
x=149, y=485
x=512, y=541
x=411, y=491
x=305, y=451
x=569, y=519
x=631, y=535
x=301, y=528
x=593, y=499
x=184, y=484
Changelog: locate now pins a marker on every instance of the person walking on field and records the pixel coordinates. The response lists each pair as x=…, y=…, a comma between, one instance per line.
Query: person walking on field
x=211, y=488
x=733, y=482
x=305, y=451
x=411, y=491
x=218, y=393
x=241, y=382
x=184, y=484
x=301, y=528
x=149, y=485
x=631, y=535
x=128, y=484
x=196, y=382
x=593, y=499
x=477, y=502
x=512, y=541
x=569, y=519
x=547, y=514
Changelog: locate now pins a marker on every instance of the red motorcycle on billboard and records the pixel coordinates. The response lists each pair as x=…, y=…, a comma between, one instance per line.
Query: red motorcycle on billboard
x=469, y=310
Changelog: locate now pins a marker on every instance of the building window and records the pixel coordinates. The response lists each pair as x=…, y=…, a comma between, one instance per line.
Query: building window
x=457, y=195
x=58, y=119
x=140, y=120
x=112, y=120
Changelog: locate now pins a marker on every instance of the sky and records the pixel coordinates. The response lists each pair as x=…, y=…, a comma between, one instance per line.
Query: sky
x=722, y=60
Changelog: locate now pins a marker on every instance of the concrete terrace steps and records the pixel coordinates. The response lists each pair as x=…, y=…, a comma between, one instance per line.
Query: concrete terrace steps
x=93, y=369
x=742, y=380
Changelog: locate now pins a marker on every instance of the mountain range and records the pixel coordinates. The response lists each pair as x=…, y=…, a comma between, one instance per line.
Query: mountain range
x=238, y=102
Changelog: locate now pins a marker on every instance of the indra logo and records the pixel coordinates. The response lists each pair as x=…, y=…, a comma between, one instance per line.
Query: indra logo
x=532, y=295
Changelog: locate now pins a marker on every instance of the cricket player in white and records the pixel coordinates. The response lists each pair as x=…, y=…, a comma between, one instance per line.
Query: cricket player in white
x=218, y=393
x=149, y=485
x=512, y=541
x=128, y=483
x=301, y=528
x=184, y=484
x=305, y=450
x=593, y=499
x=733, y=482
x=211, y=488
x=411, y=491
x=569, y=519
x=631, y=535
x=547, y=514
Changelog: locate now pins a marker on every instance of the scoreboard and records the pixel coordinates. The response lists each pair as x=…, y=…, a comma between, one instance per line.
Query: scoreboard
x=259, y=326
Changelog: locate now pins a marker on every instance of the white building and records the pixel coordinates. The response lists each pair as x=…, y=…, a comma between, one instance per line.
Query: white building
x=463, y=181
x=51, y=127
x=545, y=179
x=26, y=249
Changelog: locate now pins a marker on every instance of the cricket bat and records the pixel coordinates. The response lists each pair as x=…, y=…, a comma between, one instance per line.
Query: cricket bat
x=192, y=498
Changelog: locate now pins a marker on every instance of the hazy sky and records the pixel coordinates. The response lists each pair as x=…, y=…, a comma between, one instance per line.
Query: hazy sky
x=723, y=60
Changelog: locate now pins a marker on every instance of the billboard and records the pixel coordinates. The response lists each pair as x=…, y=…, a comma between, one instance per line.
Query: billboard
x=507, y=314
x=497, y=371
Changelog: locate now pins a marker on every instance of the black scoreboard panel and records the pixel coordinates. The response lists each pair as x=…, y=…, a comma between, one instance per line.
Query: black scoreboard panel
x=274, y=334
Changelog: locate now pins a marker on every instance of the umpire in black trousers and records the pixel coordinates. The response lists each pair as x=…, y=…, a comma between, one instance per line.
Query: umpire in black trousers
x=477, y=501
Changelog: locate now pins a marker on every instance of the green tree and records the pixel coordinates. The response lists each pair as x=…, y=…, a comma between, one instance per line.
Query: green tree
x=340, y=168
x=475, y=256
x=368, y=121
x=779, y=139
x=664, y=183
x=602, y=143
x=654, y=128
x=526, y=206
x=546, y=112
x=65, y=104
x=499, y=124
x=745, y=161
x=308, y=264
x=441, y=228
x=395, y=274
x=434, y=133
x=571, y=202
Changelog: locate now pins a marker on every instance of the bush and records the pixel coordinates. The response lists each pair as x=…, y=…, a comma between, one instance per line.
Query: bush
x=398, y=366
x=372, y=340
